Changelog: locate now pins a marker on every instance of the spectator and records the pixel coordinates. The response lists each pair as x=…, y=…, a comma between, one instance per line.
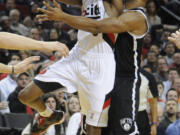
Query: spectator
x=15, y=105
x=176, y=85
x=56, y=35
x=176, y=63
x=161, y=99
x=14, y=16
x=151, y=61
x=146, y=44
x=172, y=94
x=153, y=18
x=172, y=74
x=52, y=102
x=174, y=128
x=160, y=87
x=155, y=48
x=169, y=50
x=9, y=5
x=162, y=68
x=34, y=34
x=28, y=22
x=170, y=116
x=76, y=119
x=5, y=25
x=8, y=84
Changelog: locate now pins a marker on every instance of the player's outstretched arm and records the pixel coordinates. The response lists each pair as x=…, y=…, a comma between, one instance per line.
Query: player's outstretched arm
x=20, y=67
x=17, y=42
x=71, y=2
x=175, y=38
x=129, y=21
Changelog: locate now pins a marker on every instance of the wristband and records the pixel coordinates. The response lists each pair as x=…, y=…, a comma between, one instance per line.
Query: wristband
x=12, y=69
x=154, y=123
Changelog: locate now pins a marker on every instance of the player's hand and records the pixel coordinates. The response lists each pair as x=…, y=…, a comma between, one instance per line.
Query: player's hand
x=153, y=129
x=175, y=38
x=56, y=46
x=55, y=14
x=25, y=64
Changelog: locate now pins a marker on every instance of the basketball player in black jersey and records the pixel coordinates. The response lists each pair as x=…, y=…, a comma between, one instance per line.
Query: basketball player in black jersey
x=129, y=28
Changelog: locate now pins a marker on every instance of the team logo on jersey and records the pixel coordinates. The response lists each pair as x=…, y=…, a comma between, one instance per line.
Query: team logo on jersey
x=126, y=123
x=92, y=11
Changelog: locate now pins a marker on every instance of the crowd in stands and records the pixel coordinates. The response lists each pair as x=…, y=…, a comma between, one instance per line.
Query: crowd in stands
x=159, y=57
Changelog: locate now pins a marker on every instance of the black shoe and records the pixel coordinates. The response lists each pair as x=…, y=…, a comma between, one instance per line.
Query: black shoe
x=41, y=124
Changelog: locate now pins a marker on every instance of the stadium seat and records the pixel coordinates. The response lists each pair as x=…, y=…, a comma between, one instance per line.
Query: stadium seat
x=17, y=120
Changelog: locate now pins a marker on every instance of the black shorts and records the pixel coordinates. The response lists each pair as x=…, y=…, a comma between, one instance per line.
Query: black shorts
x=143, y=123
x=124, y=105
x=47, y=86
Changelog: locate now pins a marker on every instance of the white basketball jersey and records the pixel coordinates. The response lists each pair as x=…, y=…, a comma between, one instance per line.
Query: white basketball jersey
x=87, y=42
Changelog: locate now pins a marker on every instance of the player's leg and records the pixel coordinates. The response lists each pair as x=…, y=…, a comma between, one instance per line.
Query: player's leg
x=92, y=130
x=31, y=97
x=32, y=93
x=48, y=81
x=124, y=106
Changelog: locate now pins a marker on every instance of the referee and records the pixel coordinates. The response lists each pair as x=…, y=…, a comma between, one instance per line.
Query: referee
x=148, y=92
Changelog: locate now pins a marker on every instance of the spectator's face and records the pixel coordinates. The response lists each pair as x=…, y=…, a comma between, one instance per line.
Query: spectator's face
x=147, y=39
x=160, y=89
x=10, y=4
x=15, y=58
x=172, y=75
x=155, y=49
x=74, y=105
x=34, y=34
x=176, y=58
x=51, y=103
x=151, y=8
x=14, y=17
x=170, y=49
x=23, y=81
x=172, y=95
x=162, y=65
x=34, y=8
x=151, y=57
x=24, y=54
x=171, y=107
x=53, y=34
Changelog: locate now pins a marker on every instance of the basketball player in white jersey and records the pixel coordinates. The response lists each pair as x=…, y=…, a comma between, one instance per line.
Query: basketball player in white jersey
x=89, y=68
x=131, y=27
x=17, y=42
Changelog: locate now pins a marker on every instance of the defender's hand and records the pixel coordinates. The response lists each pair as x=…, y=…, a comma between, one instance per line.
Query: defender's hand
x=175, y=38
x=56, y=46
x=55, y=14
x=25, y=64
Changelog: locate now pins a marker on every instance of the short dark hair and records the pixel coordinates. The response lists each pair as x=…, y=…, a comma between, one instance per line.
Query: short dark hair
x=171, y=89
x=172, y=69
x=48, y=95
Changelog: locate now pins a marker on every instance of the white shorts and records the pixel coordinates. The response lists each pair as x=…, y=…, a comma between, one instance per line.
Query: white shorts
x=92, y=75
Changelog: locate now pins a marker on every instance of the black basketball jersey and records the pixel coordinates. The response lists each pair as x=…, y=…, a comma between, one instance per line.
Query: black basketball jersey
x=127, y=50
